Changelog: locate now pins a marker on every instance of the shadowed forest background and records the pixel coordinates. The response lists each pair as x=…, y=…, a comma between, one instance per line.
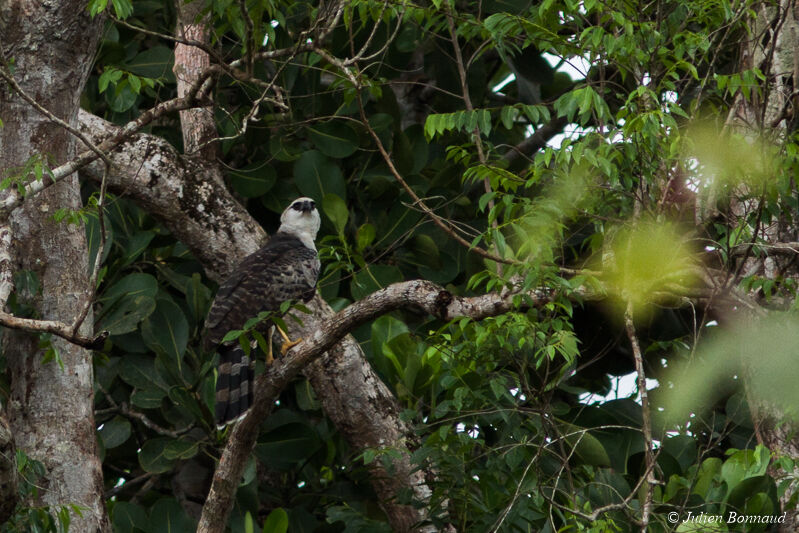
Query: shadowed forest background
x=560, y=237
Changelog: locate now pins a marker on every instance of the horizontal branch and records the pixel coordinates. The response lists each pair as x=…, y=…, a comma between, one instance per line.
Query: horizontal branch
x=59, y=329
x=415, y=295
x=777, y=248
x=538, y=140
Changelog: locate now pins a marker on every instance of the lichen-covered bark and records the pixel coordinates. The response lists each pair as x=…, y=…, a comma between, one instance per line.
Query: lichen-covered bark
x=52, y=44
x=184, y=193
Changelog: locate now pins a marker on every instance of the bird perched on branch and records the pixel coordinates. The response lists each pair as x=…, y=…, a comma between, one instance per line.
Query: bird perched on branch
x=286, y=268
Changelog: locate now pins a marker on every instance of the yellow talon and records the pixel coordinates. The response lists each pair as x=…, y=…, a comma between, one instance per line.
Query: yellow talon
x=288, y=345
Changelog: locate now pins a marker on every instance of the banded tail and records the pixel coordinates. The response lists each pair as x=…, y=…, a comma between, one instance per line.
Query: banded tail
x=234, y=385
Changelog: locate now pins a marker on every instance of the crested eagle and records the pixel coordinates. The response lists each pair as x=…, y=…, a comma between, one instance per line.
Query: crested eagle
x=286, y=268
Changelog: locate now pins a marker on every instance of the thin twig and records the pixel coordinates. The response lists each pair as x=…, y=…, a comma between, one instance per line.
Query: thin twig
x=127, y=484
x=124, y=410
x=99, y=257
x=478, y=142
x=249, y=39
x=59, y=329
x=645, y=415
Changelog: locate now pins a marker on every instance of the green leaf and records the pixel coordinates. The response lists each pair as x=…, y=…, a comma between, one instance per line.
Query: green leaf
x=182, y=397
x=507, y=116
x=167, y=516
x=708, y=472
x=336, y=210
x=126, y=303
x=97, y=6
x=249, y=526
x=682, y=448
x=253, y=180
x=180, y=450
x=306, y=398
x=109, y=75
x=386, y=328
x=115, y=432
x=122, y=98
x=232, y=335
x=93, y=239
x=135, y=83
x=152, y=456
x=136, y=245
x=123, y=8
x=148, y=398
x=198, y=297
x=155, y=62
x=276, y=522
x=315, y=176
x=334, y=138
x=129, y=517
x=139, y=371
x=365, y=236
x=586, y=446
x=372, y=278
x=288, y=445
x=166, y=330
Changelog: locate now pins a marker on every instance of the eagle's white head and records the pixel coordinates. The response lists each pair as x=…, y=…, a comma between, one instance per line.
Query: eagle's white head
x=301, y=219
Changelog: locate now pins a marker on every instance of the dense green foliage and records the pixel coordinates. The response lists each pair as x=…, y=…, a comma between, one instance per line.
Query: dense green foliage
x=502, y=408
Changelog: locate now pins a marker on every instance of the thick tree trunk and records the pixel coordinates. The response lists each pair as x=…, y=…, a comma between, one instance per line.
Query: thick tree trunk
x=51, y=44
x=198, y=125
x=772, y=117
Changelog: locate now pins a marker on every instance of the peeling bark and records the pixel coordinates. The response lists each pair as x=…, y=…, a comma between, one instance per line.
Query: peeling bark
x=51, y=410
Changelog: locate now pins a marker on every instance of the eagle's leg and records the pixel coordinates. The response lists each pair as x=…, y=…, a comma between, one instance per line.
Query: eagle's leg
x=269, y=357
x=288, y=344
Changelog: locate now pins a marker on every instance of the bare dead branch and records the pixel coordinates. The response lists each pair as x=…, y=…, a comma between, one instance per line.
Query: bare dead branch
x=187, y=196
x=54, y=327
